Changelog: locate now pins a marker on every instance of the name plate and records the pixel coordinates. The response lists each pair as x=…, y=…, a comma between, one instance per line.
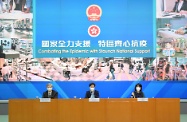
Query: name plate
x=142, y=99
x=45, y=99
x=94, y=99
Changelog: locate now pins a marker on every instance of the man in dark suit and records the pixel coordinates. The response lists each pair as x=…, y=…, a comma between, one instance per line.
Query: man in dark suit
x=19, y=4
x=50, y=93
x=180, y=5
x=92, y=93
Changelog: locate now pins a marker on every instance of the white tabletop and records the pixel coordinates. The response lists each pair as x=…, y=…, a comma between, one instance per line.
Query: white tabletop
x=172, y=15
x=15, y=15
x=170, y=34
x=10, y=52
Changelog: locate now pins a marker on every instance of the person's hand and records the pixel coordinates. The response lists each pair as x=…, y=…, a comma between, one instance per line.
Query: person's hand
x=132, y=95
x=27, y=11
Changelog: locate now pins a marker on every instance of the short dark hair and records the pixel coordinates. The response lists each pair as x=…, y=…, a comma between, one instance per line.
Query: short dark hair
x=92, y=84
x=140, y=85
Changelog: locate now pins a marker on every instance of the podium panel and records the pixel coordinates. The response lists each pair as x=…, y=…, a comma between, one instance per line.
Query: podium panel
x=70, y=110
x=143, y=111
x=105, y=110
x=118, y=110
x=21, y=110
x=45, y=111
x=167, y=109
x=94, y=111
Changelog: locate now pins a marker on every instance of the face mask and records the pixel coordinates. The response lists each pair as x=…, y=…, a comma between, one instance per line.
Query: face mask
x=91, y=89
x=49, y=89
x=138, y=88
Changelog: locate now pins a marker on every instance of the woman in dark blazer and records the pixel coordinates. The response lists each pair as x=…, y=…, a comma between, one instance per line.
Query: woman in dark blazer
x=137, y=92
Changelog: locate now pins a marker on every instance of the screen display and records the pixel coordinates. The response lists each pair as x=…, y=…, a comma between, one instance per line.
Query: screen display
x=94, y=28
x=86, y=40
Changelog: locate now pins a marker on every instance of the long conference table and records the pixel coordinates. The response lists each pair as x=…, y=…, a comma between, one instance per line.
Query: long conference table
x=104, y=110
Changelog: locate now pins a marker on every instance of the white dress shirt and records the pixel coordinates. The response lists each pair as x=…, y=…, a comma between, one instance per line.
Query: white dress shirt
x=180, y=5
x=49, y=93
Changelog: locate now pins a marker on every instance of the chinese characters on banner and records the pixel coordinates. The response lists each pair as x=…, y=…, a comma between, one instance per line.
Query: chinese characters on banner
x=94, y=29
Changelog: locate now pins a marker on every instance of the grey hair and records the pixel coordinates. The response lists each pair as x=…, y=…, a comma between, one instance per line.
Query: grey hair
x=49, y=84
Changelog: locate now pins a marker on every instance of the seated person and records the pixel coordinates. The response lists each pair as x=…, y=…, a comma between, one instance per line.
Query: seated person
x=20, y=4
x=137, y=92
x=50, y=93
x=92, y=93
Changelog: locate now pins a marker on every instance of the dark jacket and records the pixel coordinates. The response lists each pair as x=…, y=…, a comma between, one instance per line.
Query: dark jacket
x=88, y=94
x=53, y=96
x=138, y=95
x=21, y=2
x=112, y=69
x=131, y=66
x=184, y=6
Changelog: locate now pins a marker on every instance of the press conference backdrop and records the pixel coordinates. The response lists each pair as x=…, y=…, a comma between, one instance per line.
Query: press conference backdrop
x=31, y=90
x=66, y=27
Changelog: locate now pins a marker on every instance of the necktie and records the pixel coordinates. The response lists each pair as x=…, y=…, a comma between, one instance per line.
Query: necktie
x=92, y=95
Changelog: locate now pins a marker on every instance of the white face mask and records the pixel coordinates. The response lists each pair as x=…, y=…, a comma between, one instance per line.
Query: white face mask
x=49, y=89
x=92, y=89
x=138, y=88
